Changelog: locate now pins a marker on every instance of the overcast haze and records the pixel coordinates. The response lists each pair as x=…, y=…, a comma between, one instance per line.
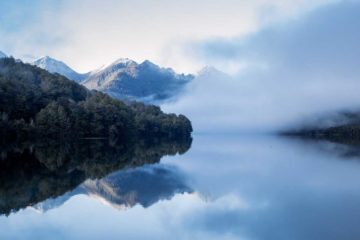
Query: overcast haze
x=88, y=33
x=288, y=72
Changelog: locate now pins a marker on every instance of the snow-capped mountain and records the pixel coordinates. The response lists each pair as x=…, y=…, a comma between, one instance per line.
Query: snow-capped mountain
x=127, y=79
x=209, y=71
x=55, y=66
x=124, y=79
x=2, y=55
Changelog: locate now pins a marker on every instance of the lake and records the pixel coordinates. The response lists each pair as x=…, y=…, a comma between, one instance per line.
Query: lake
x=225, y=186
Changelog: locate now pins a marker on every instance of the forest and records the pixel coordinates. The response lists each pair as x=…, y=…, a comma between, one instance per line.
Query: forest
x=37, y=104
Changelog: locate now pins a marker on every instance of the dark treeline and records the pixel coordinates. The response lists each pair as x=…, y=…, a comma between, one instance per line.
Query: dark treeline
x=35, y=171
x=342, y=131
x=340, y=127
x=35, y=103
x=348, y=134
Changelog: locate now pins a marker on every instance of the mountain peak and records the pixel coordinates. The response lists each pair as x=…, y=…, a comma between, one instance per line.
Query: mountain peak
x=208, y=70
x=149, y=64
x=124, y=61
x=46, y=60
x=55, y=66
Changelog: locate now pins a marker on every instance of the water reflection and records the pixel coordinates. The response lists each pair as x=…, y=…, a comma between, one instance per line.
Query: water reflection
x=236, y=187
x=344, y=148
x=264, y=187
x=125, y=188
x=30, y=173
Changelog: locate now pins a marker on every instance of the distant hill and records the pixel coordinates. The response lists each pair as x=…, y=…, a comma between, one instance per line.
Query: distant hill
x=341, y=127
x=125, y=79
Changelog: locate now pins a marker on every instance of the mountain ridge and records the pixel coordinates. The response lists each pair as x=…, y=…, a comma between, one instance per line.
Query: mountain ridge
x=124, y=79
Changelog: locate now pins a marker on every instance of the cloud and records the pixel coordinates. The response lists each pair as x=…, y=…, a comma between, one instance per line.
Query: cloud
x=30, y=27
x=88, y=33
x=289, y=71
x=322, y=41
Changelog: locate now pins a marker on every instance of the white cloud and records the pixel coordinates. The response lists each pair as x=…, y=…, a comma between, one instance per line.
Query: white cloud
x=293, y=70
x=87, y=34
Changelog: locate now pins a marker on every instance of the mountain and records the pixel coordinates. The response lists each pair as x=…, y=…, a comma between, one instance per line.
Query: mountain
x=55, y=66
x=211, y=72
x=128, y=80
x=36, y=104
x=125, y=79
x=2, y=55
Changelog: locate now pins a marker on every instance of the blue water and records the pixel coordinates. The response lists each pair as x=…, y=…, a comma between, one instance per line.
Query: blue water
x=225, y=187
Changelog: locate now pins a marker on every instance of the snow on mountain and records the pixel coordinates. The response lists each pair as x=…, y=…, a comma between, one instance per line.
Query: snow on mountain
x=2, y=55
x=103, y=77
x=129, y=80
x=55, y=66
x=125, y=79
x=211, y=72
x=53, y=203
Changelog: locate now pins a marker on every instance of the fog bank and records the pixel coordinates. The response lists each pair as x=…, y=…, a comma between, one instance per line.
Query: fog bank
x=287, y=73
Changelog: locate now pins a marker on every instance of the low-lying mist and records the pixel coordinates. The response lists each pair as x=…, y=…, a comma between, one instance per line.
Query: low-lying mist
x=291, y=73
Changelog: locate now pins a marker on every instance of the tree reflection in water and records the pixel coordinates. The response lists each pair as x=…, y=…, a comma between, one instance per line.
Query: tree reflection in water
x=32, y=172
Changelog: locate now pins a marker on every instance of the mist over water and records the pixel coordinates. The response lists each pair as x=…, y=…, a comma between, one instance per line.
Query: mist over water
x=288, y=73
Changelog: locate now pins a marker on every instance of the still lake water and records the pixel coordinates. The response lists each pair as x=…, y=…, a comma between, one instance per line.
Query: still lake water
x=224, y=187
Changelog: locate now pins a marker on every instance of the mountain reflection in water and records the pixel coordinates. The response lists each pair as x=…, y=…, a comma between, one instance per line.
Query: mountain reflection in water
x=31, y=173
x=125, y=188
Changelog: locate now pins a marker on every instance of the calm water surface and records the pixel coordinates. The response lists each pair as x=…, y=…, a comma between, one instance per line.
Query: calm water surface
x=224, y=187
